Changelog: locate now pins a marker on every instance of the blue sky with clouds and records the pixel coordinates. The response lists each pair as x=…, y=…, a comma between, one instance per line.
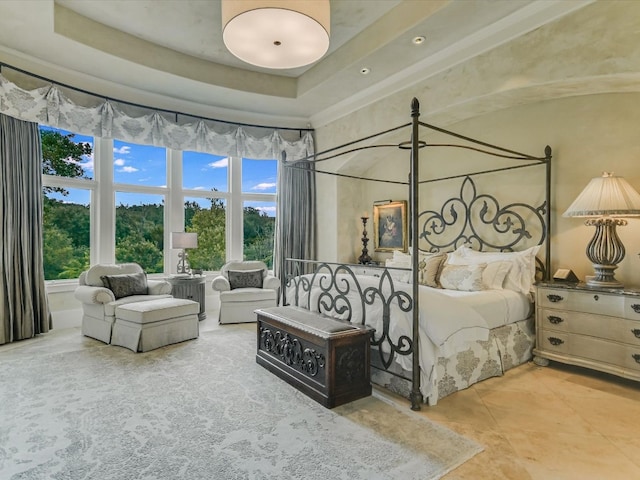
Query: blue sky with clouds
x=146, y=165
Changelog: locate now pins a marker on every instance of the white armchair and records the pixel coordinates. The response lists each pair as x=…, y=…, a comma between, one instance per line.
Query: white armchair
x=99, y=302
x=245, y=287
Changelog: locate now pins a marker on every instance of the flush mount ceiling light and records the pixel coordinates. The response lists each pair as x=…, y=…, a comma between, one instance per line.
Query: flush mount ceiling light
x=418, y=40
x=276, y=34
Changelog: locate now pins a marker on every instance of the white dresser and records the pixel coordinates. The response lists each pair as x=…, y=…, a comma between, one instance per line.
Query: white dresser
x=595, y=328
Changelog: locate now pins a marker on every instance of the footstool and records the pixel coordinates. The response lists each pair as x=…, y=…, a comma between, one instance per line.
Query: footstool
x=144, y=326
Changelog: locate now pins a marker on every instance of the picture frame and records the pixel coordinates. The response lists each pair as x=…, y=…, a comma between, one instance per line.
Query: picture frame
x=390, y=226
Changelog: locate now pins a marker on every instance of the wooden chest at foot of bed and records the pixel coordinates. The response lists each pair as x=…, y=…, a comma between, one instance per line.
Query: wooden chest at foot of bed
x=325, y=358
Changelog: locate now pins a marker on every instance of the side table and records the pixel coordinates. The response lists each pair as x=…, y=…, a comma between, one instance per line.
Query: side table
x=189, y=288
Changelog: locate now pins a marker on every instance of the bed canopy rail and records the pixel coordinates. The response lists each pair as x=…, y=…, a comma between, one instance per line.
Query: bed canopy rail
x=427, y=226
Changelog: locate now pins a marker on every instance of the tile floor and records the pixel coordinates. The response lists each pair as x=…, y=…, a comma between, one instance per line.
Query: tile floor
x=547, y=423
x=536, y=423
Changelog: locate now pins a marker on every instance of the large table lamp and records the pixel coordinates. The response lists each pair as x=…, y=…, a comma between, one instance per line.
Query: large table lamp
x=604, y=201
x=182, y=241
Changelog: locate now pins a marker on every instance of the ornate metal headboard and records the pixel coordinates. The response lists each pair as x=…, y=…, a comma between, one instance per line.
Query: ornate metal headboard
x=478, y=221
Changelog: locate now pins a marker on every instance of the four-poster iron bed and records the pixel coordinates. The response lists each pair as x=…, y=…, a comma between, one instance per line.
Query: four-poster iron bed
x=429, y=341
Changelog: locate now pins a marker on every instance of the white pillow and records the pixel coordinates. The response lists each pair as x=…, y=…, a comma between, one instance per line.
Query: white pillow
x=463, y=277
x=399, y=256
x=520, y=276
x=399, y=275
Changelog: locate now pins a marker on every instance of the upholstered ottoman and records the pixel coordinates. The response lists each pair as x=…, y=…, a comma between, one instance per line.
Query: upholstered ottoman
x=144, y=326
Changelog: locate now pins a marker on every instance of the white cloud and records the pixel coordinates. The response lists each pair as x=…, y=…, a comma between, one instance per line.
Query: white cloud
x=128, y=169
x=198, y=188
x=267, y=210
x=123, y=150
x=118, y=162
x=264, y=186
x=222, y=163
x=86, y=162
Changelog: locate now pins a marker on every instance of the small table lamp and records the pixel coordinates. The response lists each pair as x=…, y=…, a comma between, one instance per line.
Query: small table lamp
x=183, y=240
x=606, y=199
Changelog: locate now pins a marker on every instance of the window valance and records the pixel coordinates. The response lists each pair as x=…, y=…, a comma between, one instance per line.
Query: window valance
x=110, y=119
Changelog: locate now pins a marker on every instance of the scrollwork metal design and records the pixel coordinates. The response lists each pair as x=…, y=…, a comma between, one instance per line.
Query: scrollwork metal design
x=460, y=220
x=337, y=286
x=636, y=357
x=635, y=307
x=555, y=341
x=636, y=332
x=555, y=320
x=554, y=298
x=291, y=351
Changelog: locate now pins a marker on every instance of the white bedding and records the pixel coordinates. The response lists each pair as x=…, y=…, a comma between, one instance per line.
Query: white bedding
x=449, y=320
x=497, y=307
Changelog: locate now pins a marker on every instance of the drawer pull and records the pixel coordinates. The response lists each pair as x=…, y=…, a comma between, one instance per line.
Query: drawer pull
x=555, y=320
x=636, y=307
x=555, y=298
x=636, y=357
x=636, y=332
x=557, y=341
x=596, y=298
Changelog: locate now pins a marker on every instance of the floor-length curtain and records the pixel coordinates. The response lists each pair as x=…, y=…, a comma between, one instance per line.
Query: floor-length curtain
x=23, y=303
x=295, y=235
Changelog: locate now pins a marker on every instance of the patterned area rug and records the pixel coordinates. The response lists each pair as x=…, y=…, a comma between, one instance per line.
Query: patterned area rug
x=202, y=409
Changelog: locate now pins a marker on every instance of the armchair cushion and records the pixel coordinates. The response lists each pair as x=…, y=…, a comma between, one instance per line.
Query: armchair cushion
x=245, y=278
x=94, y=275
x=127, y=284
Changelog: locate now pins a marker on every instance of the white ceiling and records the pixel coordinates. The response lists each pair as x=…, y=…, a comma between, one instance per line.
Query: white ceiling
x=173, y=50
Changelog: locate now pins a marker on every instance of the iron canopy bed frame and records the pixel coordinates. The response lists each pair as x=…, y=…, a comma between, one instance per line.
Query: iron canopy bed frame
x=426, y=229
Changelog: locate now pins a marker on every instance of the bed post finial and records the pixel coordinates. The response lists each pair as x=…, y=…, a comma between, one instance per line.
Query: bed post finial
x=415, y=107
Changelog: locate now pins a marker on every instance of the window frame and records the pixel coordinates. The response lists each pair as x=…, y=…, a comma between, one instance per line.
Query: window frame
x=102, y=189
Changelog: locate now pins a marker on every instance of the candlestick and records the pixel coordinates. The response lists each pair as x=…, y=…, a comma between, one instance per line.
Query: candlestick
x=364, y=258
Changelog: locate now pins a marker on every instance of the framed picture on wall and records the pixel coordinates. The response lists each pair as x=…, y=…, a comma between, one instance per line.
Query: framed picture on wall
x=390, y=226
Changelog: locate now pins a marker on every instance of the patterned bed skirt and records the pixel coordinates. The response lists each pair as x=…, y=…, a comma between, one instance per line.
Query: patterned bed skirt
x=507, y=347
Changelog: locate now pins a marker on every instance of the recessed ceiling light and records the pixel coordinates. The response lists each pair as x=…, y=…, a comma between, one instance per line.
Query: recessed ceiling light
x=365, y=71
x=418, y=40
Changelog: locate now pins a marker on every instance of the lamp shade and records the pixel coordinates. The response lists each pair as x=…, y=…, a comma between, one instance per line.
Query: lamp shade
x=276, y=33
x=184, y=240
x=607, y=195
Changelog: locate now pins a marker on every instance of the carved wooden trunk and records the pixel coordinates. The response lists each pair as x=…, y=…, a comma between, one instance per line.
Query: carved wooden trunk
x=325, y=358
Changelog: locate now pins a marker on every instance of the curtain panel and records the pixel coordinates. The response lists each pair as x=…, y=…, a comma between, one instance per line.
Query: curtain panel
x=24, y=311
x=110, y=119
x=295, y=235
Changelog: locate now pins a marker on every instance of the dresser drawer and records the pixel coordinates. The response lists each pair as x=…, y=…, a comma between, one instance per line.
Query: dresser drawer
x=553, y=298
x=554, y=319
x=632, y=308
x=630, y=332
x=632, y=358
x=596, y=302
x=602, y=326
x=553, y=341
x=596, y=349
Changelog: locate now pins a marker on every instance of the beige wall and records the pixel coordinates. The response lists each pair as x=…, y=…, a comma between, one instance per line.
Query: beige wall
x=573, y=84
x=588, y=134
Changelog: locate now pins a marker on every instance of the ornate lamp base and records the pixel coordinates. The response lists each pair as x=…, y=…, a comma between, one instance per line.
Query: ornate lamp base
x=605, y=250
x=604, y=277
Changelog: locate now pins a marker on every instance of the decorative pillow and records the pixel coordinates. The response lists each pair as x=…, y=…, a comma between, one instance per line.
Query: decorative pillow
x=245, y=278
x=125, y=285
x=463, y=277
x=521, y=275
x=429, y=269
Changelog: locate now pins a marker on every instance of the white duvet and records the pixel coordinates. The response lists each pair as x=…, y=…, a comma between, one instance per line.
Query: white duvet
x=448, y=320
